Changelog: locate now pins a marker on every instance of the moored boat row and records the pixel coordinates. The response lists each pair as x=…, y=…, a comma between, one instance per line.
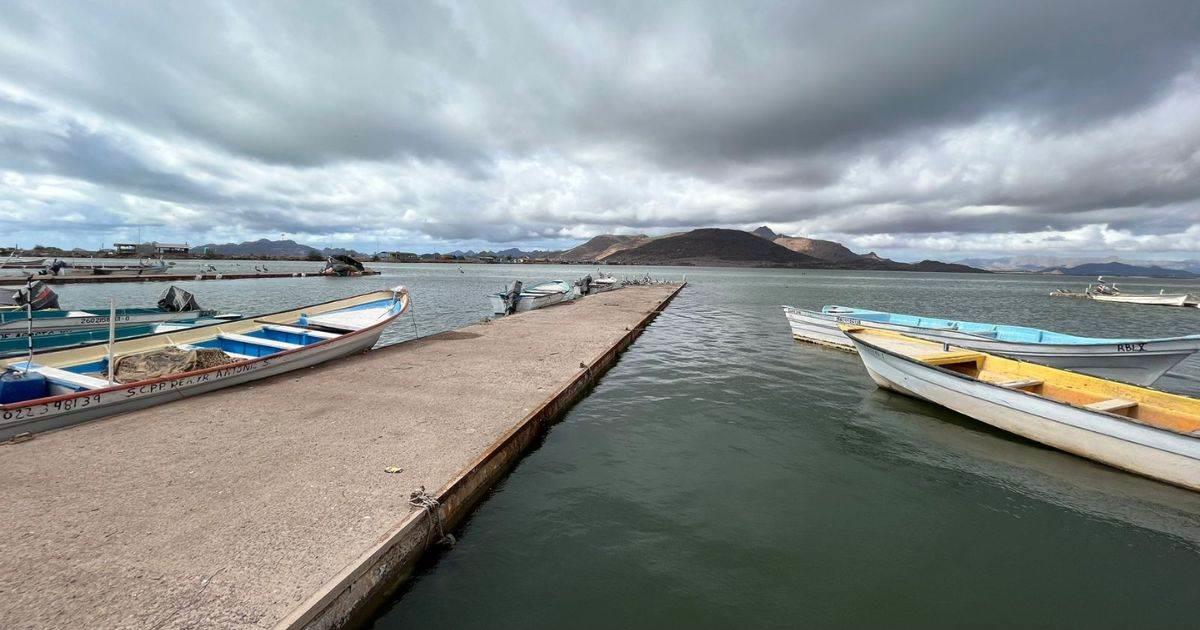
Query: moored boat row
x=1082, y=395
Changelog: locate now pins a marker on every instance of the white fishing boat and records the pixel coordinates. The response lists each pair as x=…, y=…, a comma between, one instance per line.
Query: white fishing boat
x=1102, y=291
x=1141, y=430
x=66, y=387
x=1176, y=299
x=518, y=298
x=1137, y=361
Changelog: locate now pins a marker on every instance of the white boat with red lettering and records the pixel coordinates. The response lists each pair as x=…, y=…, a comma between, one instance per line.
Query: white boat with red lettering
x=66, y=387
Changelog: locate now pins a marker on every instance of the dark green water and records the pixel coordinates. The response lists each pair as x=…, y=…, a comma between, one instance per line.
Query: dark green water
x=723, y=475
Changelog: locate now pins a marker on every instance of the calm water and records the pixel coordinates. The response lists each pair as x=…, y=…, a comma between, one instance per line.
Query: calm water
x=722, y=475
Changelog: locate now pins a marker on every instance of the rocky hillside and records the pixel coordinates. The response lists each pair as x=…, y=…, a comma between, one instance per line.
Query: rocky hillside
x=713, y=247
x=601, y=247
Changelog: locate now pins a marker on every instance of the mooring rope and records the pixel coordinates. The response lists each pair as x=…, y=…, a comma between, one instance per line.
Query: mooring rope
x=412, y=311
x=421, y=499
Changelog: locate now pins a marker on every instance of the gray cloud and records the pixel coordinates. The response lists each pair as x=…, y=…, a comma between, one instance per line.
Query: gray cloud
x=542, y=122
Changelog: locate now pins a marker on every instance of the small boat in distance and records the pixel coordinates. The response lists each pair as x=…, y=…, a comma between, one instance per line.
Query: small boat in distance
x=1102, y=291
x=66, y=387
x=1137, y=361
x=142, y=268
x=518, y=299
x=1144, y=431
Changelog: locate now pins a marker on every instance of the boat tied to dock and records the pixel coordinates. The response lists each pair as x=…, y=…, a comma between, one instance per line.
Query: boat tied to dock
x=518, y=299
x=60, y=388
x=1137, y=361
x=1144, y=431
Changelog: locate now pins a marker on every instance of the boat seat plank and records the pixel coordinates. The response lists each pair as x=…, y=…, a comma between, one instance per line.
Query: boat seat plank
x=319, y=334
x=270, y=343
x=1021, y=383
x=69, y=378
x=953, y=358
x=1112, y=405
x=188, y=346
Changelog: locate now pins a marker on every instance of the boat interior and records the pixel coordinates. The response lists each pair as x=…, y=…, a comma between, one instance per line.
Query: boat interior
x=86, y=368
x=1139, y=404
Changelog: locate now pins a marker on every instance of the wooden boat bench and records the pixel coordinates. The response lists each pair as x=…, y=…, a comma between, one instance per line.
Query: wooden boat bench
x=70, y=379
x=316, y=334
x=270, y=343
x=1112, y=405
x=239, y=357
x=948, y=359
x=1021, y=383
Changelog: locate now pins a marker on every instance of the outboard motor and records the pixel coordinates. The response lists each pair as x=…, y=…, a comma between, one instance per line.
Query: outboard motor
x=176, y=300
x=584, y=284
x=55, y=267
x=39, y=295
x=511, y=296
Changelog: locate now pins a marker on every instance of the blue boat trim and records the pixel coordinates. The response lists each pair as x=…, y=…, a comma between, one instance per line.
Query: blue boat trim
x=999, y=332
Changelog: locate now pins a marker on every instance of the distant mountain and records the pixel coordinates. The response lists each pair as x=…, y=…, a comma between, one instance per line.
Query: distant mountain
x=1040, y=262
x=1120, y=269
x=601, y=247
x=266, y=248
x=765, y=232
x=261, y=247
x=713, y=247
x=938, y=266
x=825, y=250
x=520, y=253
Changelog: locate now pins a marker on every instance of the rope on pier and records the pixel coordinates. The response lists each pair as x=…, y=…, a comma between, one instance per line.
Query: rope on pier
x=421, y=499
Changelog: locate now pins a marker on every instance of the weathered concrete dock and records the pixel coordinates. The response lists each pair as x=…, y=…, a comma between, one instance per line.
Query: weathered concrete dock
x=269, y=505
x=178, y=277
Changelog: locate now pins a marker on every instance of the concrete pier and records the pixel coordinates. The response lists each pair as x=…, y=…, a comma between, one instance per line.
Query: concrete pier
x=268, y=505
x=178, y=277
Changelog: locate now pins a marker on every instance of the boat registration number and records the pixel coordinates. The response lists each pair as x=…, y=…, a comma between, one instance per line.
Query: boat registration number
x=36, y=411
x=1131, y=347
x=848, y=320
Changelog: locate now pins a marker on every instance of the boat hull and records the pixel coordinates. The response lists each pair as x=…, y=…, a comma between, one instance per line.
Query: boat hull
x=1154, y=300
x=64, y=410
x=528, y=302
x=17, y=326
x=122, y=398
x=1147, y=451
x=1137, y=362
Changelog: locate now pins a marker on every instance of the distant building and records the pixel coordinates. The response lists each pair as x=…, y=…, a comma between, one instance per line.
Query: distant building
x=171, y=248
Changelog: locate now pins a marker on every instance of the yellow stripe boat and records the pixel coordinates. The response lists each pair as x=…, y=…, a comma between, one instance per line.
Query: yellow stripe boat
x=1141, y=430
x=65, y=387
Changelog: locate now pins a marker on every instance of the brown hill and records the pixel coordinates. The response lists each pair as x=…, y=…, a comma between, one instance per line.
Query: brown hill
x=598, y=247
x=713, y=247
x=825, y=250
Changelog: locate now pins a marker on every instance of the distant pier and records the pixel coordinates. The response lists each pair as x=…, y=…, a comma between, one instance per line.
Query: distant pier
x=179, y=277
x=286, y=503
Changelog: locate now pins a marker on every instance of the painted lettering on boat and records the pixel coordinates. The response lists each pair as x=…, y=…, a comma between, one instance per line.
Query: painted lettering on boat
x=1131, y=347
x=848, y=320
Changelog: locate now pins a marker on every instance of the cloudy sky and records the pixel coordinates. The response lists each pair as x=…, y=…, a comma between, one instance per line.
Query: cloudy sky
x=915, y=129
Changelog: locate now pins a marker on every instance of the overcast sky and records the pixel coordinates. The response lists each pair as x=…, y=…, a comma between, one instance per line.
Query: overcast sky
x=914, y=129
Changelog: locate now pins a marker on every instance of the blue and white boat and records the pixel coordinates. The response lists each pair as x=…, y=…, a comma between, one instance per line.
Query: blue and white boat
x=65, y=387
x=1136, y=361
x=174, y=305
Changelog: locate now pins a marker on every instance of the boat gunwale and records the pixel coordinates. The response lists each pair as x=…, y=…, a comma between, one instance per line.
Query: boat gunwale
x=1107, y=414
x=90, y=392
x=1092, y=341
